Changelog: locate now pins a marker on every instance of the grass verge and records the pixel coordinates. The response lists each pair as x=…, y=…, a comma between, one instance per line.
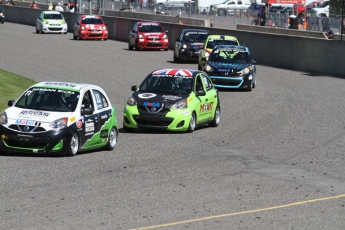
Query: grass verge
x=11, y=87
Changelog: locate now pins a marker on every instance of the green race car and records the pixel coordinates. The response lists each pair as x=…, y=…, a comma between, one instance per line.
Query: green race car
x=174, y=100
x=210, y=43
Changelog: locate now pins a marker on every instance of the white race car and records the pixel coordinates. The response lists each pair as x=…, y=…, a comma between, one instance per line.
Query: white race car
x=59, y=118
x=51, y=22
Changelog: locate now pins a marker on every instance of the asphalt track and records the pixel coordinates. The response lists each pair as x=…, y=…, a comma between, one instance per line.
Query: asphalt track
x=276, y=161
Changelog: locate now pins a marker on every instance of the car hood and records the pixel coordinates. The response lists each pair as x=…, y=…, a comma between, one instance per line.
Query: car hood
x=153, y=35
x=93, y=26
x=54, y=21
x=15, y=114
x=164, y=100
x=222, y=65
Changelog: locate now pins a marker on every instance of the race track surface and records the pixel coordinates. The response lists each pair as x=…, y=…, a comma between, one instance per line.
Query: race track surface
x=276, y=161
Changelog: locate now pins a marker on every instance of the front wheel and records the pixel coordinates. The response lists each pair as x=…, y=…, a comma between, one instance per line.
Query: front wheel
x=216, y=118
x=192, y=123
x=112, y=139
x=73, y=145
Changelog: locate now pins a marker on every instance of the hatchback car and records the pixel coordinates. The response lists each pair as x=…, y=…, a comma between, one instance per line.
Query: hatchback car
x=174, y=100
x=90, y=27
x=210, y=43
x=231, y=67
x=149, y=36
x=51, y=22
x=59, y=118
x=188, y=45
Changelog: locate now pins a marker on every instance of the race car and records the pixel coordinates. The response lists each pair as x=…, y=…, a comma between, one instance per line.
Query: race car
x=231, y=67
x=59, y=118
x=173, y=100
x=210, y=43
x=188, y=44
x=90, y=27
x=148, y=36
x=51, y=22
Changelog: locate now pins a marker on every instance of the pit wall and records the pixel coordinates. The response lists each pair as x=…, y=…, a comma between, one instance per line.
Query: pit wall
x=295, y=52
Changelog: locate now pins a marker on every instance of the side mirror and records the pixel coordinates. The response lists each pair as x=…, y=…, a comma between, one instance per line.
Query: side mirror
x=134, y=88
x=86, y=111
x=200, y=93
x=10, y=102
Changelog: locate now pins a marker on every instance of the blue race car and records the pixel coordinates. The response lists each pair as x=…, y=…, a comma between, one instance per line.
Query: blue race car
x=231, y=67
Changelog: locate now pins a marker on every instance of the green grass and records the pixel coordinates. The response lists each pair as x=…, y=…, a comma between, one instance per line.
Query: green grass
x=11, y=87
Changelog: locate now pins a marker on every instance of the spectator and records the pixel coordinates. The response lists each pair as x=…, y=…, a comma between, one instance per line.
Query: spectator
x=263, y=16
x=300, y=20
x=1, y=2
x=10, y=3
x=328, y=34
x=34, y=5
x=58, y=7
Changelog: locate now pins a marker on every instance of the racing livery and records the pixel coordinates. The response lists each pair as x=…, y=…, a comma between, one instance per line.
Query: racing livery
x=231, y=67
x=90, y=27
x=188, y=45
x=51, y=22
x=148, y=35
x=174, y=100
x=210, y=43
x=59, y=118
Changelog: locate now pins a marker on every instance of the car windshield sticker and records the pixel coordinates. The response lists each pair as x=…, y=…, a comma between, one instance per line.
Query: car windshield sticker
x=188, y=33
x=232, y=49
x=146, y=95
x=176, y=72
x=148, y=24
x=60, y=84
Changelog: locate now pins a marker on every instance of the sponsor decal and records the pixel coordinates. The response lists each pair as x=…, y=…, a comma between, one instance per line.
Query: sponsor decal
x=186, y=113
x=206, y=107
x=33, y=113
x=190, y=99
x=72, y=119
x=60, y=84
x=79, y=124
x=3, y=136
x=89, y=134
x=175, y=72
x=151, y=104
x=89, y=126
x=146, y=95
x=24, y=122
x=104, y=116
x=171, y=97
x=23, y=135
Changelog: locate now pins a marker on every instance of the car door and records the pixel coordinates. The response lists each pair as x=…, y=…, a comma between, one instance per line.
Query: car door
x=202, y=100
x=211, y=101
x=133, y=35
x=91, y=123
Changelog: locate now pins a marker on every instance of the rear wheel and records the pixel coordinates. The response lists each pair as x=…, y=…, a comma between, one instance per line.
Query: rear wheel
x=192, y=123
x=73, y=145
x=112, y=139
x=216, y=118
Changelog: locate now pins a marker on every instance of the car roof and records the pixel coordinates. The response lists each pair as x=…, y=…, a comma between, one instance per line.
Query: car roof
x=66, y=85
x=225, y=37
x=176, y=72
x=195, y=30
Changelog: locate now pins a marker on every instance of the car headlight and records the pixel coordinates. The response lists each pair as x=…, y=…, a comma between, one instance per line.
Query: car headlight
x=208, y=68
x=165, y=36
x=3, y=118
x=181, y=104
x=141, y=36
x=45, y=22
x=244, y=71
x=59, y=123
x=131, y=101
x=83, y=28
x=207, y=54
x=104, y=28
x=184, y=46
x=64, y=23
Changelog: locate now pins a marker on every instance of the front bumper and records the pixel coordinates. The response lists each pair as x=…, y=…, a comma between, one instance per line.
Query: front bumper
x=51, y=142
x=150, y=44
x=174, y=120
x=232, y=82
x=84, y=34
x=48, y=28
x=189, y=55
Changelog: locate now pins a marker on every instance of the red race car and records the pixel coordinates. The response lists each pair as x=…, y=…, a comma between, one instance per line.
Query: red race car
x=148, y=35
x=90, y=27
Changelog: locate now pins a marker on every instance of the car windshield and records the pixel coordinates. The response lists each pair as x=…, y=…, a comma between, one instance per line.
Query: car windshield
x=195, y=36
x=55, y=100
x=230, y=55
x=177, y=85
x=153, y=28
x=95, y=21
x=52, y=16
x=213, y=42
x=323, y=4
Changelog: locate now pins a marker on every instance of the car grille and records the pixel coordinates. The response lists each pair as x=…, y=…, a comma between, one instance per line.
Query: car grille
x=153, y=120
x=154, y=39
x=27, y=129
x=155, y=44
x=54, y=28
x=41, y=144
x=153, y=110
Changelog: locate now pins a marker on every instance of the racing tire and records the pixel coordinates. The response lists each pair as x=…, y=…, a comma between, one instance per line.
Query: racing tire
x=254, y=84
x=216, y=118
x=112, y=139
x=166, y=49
x=250, y=86
x=199, y=67
x=74, y=37
x=37, y=31
x=128, y=130
x=175, y=58
x=137, y=47
x=105, y=39
x=73, y=145
x=192, y=123
x=65, y=32
x=130, y=47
